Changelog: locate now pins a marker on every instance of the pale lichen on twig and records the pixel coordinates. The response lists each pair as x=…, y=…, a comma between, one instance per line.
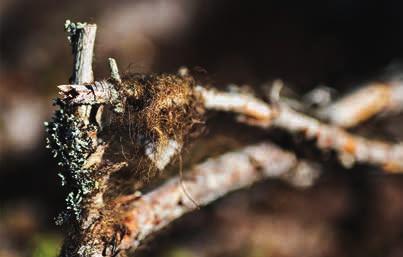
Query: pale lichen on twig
x=71, y=136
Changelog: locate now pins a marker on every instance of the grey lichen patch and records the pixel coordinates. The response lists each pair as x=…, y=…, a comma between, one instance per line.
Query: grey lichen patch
x=70, y=144
x=72, y=27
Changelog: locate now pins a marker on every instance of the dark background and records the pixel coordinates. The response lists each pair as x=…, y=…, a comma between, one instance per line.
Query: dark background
x=337, y=43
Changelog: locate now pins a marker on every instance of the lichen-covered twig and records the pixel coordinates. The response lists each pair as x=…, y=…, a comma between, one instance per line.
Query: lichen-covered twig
x=364, y=103
x=350, y=148
x=72, y=137
x=133, y=218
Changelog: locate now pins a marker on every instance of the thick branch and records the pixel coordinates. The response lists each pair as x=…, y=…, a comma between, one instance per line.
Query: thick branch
x=140, y=216
x=350, y=148
x=206, y=182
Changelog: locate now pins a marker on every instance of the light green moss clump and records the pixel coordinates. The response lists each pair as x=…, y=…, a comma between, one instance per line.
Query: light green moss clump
x=46, y=245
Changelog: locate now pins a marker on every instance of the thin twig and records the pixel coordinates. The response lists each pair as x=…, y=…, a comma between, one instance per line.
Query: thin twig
x=364, y=103
x=82, y=38
x=350, y=148
x=234, y=102
x=114, y=70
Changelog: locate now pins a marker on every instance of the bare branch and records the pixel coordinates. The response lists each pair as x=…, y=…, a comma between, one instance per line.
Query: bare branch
x=364, y=103
x=82, y=38
x=97, y=93
x=350, y=148
x=114, y=70
x=234, y=102
x=140, y=216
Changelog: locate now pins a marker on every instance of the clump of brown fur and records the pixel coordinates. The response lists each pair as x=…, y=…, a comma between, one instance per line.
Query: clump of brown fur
x=161, y=107
x=157, y=109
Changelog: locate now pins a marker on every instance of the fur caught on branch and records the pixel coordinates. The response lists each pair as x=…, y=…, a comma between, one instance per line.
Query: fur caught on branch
x=130, y=219
x=141, y=122
x=113, y=137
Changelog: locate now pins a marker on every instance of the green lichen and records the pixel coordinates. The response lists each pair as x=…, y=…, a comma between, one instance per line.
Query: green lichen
x=70, y=145
x=72, y=27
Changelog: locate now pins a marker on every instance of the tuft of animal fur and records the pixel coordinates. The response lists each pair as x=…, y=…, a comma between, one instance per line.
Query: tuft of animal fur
x=143, y=127
x=161, y=113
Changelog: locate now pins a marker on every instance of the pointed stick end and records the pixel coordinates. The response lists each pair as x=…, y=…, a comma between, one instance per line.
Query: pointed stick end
x=114, y=70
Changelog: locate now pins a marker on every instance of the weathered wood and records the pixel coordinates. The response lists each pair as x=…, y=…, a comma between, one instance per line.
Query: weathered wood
x=350, y=148
x=132, y=218
x=82, y=39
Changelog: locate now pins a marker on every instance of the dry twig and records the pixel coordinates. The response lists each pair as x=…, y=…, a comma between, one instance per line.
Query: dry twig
x=130, y=219
x=106, y=223
x=364, y=103
x=92, y=135
x=350, y=148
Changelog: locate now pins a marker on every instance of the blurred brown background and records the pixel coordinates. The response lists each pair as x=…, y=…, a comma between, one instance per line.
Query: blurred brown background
x=338, y=43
